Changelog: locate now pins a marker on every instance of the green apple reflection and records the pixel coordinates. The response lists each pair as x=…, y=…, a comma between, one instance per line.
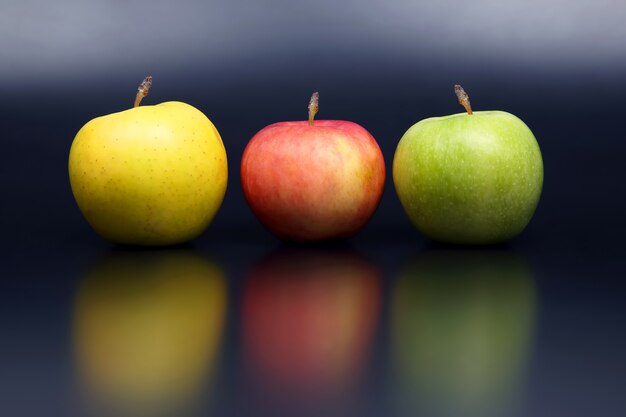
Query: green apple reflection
x=462, y=323
x=309, y=317
x=147, y=330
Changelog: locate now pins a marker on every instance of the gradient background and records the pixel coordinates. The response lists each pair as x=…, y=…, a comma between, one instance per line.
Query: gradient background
x=558, y=65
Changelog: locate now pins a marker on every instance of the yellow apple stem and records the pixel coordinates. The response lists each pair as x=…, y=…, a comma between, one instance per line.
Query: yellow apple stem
x=143, y=90
x=314, y=106
x=463, y=98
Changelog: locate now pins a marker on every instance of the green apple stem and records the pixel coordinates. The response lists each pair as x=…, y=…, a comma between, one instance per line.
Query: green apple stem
x=143, y=90
x=314, y=106
x=463, y=98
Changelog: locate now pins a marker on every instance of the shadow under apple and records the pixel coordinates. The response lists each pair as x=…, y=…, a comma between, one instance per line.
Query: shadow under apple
x=462, y=325
x=147, y=329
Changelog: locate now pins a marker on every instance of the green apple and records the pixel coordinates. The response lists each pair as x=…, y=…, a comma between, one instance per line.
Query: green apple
x=469, y=178
x=150, y=175
x=462, y=325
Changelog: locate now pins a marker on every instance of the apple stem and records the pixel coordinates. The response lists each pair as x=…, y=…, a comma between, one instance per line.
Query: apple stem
x=463, y=98
x=143, y=90
x=314, y=107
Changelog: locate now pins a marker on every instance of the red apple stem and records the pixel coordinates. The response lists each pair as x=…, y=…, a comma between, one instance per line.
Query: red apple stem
x=314, y=107
x=463, y=98
x=143, y=90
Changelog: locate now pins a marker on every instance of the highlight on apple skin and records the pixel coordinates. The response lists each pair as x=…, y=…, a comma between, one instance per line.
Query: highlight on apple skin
x=150, y=175
x=469, y=178
x=313, y=181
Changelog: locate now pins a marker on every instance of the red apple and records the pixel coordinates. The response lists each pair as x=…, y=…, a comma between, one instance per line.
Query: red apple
x=315, y=180
x=309, y=319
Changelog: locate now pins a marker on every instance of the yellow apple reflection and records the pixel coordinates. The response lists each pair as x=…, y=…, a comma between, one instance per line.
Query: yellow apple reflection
x=309, y=318
x=462, y=323
x=147, y=329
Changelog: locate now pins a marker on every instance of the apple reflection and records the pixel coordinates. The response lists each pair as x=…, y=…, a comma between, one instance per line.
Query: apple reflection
x=309, y=317
x=462, y=324
x=147, y=329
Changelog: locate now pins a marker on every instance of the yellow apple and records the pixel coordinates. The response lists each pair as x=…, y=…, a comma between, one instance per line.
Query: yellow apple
x=147, y=331
x=150, y=175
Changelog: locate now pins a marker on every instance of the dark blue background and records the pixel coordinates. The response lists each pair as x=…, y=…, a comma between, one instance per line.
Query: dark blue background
x=557, y=65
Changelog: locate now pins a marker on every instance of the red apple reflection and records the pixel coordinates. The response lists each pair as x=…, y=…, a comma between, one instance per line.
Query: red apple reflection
x=309, y=317
x=147, y=330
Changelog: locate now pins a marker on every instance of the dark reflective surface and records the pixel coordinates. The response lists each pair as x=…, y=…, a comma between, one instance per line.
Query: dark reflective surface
x=348, y=330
